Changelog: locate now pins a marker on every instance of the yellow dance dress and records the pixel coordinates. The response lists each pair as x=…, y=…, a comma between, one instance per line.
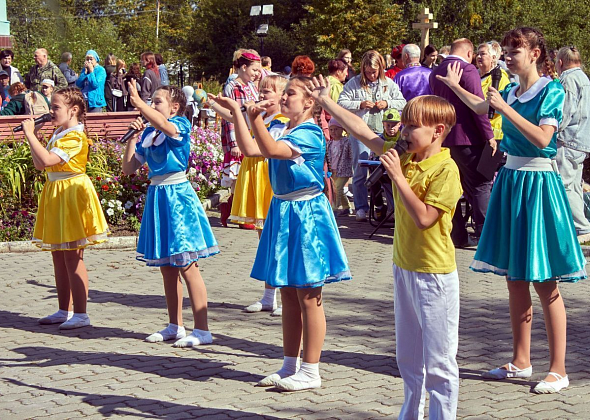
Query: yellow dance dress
x=70, y=216
x=253, y=192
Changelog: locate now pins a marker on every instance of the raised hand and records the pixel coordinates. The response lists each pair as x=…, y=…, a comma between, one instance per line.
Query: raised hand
x=321, y=88
x=454, y=73
x=134, y=97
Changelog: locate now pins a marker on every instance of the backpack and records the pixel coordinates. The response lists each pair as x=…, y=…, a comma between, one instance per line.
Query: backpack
x=35, y=106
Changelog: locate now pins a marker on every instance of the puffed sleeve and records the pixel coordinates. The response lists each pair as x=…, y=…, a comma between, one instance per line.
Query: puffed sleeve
x=444, y=189
x=307, y=140
x=183, y=130
x=68, y=146
x=551, y=109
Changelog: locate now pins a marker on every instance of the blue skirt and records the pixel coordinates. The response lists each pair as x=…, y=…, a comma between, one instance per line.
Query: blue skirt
x=300, y=245
x=174, y=230
x=529, y=232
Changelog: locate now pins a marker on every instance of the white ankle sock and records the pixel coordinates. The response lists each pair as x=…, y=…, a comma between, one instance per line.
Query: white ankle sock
x=269, y=297
x=195, y=338
x=290, y=366
x=307, y=377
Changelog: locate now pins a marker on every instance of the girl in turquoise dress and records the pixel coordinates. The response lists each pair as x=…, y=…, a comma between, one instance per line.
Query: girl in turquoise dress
x=300, y=248
x=175, y=232
x=529, y=234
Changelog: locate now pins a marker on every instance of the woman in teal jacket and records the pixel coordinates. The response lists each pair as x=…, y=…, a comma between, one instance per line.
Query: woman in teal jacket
x=92, y=80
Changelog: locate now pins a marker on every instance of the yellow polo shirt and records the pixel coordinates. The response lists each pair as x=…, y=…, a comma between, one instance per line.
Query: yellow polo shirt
x=436, y=182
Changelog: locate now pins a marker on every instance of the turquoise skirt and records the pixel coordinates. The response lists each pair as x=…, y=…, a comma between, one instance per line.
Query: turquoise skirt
x=300, y=245
x=175, y=230
x=529, y=232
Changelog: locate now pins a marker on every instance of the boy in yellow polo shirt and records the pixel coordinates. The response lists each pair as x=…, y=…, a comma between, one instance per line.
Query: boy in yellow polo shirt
x=427, y=188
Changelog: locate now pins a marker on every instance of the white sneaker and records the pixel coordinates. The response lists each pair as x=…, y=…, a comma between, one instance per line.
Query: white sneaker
x=56, y=318
x=166, y=334
x=361, y=216
x=277, y=312
x=75, y=322
x=258, y=307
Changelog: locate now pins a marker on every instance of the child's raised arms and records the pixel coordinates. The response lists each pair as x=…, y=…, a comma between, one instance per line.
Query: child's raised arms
x=353, y=124
x=230, y=111
x=155, y=115
x=269, y=148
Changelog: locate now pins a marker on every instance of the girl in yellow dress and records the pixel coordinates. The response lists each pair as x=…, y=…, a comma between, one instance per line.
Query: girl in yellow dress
x=70, y=216
x=253, y=192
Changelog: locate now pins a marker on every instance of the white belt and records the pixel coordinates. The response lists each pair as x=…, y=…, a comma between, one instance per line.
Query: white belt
x=300, y=195
x=521, y=163
x=169, y=179
x=60, y=176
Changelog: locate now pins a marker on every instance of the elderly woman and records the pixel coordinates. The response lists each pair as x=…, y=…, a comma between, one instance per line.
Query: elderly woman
x=487, y=57
x=368, y=95
x=91, y=81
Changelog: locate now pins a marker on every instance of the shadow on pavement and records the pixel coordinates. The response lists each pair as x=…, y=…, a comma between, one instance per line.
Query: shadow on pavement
x=172, y=367
x=119, y=405
x=132, y=299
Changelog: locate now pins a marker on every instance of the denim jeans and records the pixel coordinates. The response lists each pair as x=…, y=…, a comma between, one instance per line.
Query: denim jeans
x=359, y=151
x=570, y=163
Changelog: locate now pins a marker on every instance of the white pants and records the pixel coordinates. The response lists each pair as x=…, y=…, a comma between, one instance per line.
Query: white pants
x=427, y=336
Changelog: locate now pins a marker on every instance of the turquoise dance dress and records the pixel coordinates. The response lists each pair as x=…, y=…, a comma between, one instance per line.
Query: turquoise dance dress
x=174, y=229
x=529, y=232
x=300, y=244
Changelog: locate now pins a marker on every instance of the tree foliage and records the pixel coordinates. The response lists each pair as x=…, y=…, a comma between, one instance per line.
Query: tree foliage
x=358, y=25
x=202, y=34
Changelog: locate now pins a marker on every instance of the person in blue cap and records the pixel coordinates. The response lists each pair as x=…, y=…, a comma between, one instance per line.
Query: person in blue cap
x=91, y=81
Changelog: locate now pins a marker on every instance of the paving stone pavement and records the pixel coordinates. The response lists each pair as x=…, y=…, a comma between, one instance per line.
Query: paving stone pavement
x=108, y=371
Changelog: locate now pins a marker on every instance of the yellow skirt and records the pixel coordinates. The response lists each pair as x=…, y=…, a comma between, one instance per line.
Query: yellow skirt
x=69, y=216
x=252, y=194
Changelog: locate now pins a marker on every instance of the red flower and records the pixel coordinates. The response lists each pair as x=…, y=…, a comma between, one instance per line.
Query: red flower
x=105, y=187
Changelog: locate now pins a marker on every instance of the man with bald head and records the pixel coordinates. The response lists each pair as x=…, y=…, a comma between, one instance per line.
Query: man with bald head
x=466, y=140
x=42, y=70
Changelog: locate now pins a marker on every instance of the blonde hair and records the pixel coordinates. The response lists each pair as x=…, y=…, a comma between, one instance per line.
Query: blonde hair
x=373, y=60
x=429, y=110
x=570, y=56
x=275, y=82
x=73, y=97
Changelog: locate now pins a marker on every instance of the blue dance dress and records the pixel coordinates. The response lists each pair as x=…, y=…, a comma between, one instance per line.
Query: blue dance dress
x=300, y=245
x=174, y=230
x=529, y=232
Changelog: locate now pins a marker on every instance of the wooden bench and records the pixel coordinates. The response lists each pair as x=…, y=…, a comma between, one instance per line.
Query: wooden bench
x=111, y=125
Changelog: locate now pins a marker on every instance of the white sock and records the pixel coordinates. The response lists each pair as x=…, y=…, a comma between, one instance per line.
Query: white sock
x=308, y=371
x=80, y=315
x=307, y=377
x=290, y=366
x=195, y=338
x=269, y=297
x=67, y=314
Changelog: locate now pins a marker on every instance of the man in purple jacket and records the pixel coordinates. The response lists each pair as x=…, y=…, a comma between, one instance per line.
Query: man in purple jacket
x=467, y=139
x=413, y=80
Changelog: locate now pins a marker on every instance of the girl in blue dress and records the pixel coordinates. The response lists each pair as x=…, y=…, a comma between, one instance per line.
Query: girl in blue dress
x=529, y=234
x=300, y=248
x=175, y=231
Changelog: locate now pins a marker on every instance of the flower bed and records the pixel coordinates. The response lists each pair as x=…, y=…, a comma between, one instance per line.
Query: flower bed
x=122, y=197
